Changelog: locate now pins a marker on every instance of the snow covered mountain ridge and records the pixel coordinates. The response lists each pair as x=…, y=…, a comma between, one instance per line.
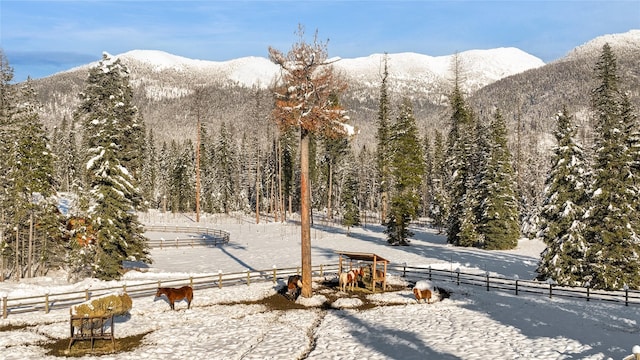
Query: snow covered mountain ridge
x=481, y=66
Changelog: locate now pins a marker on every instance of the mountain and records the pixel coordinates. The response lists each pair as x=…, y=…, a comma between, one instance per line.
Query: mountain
x=164, y=84
x=521, y=85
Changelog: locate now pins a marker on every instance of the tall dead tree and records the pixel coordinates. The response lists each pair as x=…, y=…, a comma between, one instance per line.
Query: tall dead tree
x=304, y=99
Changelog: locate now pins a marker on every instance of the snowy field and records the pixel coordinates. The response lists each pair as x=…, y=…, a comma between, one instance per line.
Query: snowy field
x=224, y=324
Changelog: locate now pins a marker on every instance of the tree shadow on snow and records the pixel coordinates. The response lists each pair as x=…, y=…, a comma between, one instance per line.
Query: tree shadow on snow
x=589, y=323
x=434, y=246
x=393, y=343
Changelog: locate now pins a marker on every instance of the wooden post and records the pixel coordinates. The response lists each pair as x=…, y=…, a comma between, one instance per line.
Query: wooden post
x=46, y=302
x=219, y=279
x=321, y=270
x=487, y=281
x=248, y=277
x=191, y=280
x=86, y=294
x=4, y=306
x=384, y=280
x=373, y=275
x=274, y=274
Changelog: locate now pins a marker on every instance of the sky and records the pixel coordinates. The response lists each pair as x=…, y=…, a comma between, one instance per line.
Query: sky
x=40, y=38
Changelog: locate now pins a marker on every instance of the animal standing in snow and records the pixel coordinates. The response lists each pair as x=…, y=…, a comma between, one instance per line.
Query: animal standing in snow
x=380, y=278
x=176, y=294
x=294, y=285
x=423, y=291
x=349, y=278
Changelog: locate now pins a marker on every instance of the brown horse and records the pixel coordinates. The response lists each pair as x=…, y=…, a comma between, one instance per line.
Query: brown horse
x=294, y=284
x=176, y=294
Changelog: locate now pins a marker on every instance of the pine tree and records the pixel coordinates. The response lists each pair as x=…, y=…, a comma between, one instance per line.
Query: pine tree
x=439, y=207
x=349, y=197
x=227, y=169
x=459, y=151
x=383, y=153
x=407, y=168
x=614, y=245
x=498, y=222
x=149, y=173
x=33, y=183
x=106, y=110
x=561, y=226
x=182, y=177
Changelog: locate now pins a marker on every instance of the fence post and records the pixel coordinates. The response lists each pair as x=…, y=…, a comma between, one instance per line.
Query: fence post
x=587, y=285
x=46, y=301
x=274, y=274
x=321, y=270
x=191, y=280
x=161, y=241
x=124, y=288
x=429, y=272
x=458, y=276
x=219, y=279
x=487, y=280
x=4, y=306
x=516, y=278
x=404, y=269
x=550, y=282
x=248, y=277
x=626, y=294
x=86, y=294
x=176, y=242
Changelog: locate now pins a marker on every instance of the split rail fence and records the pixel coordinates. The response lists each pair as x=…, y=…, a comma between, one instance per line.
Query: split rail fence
x=515, y=285
x=205, y=236
x=442, y=278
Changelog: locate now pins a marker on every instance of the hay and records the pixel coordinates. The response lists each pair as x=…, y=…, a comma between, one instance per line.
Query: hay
x=103, y=306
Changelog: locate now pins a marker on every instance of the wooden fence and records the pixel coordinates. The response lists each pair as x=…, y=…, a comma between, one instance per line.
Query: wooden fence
x=49, y=301
x=205, y=236
x=452, y=278
x=515, y=285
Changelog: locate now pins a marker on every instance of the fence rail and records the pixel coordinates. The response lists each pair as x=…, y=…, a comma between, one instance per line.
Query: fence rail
x=48, y=302
x=206, y=236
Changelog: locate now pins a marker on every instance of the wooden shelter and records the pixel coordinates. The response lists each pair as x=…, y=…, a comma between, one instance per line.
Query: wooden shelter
x=374, y=260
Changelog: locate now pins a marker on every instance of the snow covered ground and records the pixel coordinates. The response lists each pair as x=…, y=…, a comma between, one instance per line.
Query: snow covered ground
x=224, y=324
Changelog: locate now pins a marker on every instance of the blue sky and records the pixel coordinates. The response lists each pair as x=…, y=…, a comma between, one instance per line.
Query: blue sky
x=40, y=38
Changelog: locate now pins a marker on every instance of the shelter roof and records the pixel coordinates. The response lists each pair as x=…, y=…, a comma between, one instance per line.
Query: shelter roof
x=361, y=256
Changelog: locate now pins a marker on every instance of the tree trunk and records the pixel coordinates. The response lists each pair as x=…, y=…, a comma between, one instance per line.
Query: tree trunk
x=305, y=218
x=18, y=252
x=383, y=208
x=280, y=198
x=258, y=188
x=30, y=248
x=198, y=170
x=329, y=211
